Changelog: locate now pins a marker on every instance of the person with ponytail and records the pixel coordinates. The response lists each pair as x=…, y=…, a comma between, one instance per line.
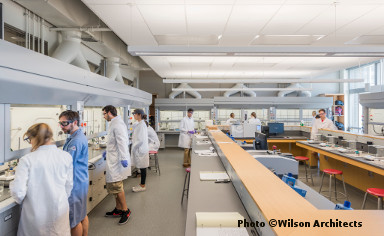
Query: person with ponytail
x=43, y=184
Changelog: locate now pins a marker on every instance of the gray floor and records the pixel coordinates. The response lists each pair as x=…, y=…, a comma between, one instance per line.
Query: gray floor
x=157, y=211
x=355, y=195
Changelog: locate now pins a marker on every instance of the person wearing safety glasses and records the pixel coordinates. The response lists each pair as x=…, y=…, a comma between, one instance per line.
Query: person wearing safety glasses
x=77, y=145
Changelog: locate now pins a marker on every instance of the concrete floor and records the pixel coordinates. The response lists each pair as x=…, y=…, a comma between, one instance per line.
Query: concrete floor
x=158, y=211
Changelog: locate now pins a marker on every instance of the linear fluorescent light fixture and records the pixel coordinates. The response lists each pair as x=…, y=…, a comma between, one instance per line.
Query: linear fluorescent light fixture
x=268, y=39
x=181, y=54
x=239, y=89
x=358, y=54
x=259, y=81
x=280, y=54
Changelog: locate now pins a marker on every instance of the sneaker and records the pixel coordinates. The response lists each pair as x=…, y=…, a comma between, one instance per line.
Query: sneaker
x=125, y=215
x=138, y=188
x=114, y=213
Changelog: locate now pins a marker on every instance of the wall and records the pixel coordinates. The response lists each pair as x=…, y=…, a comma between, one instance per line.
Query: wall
x=152, y=83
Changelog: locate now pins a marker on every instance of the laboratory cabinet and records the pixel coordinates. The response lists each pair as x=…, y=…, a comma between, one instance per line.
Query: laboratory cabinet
x=97, y=189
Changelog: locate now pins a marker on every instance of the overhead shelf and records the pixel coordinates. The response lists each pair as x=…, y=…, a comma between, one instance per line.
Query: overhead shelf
x=27, y=77
x=278, y=102
x=183, y=103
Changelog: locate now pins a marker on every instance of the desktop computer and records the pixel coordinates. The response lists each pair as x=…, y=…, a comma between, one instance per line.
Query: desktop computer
x=276, y=128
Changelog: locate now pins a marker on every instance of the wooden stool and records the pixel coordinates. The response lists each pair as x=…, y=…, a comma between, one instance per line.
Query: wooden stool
x=157, y=166
x=187, y=176
x=305, y=159
x=333, y=173
x=375, y=192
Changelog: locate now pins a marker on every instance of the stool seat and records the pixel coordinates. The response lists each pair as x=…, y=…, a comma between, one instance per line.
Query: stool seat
x=152, y=152
x=188, y=169
x=333, y=171
x=301, y=158
x=376, y=192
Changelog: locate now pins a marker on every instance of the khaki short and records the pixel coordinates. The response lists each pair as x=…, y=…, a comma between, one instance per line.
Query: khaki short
x=115, y=187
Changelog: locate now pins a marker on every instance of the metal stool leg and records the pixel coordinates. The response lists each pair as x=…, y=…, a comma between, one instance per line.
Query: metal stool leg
x=345, y=189
x=380, y=203
x=185, y=181
x=330, y=187
x=321, y=185
x=306, y=172
x=310, y=173
x=157, y=163
x=335, y=189
x=189, y=179
x=365, y=199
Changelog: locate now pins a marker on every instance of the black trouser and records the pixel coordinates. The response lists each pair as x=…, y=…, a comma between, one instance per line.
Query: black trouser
x=143, y=172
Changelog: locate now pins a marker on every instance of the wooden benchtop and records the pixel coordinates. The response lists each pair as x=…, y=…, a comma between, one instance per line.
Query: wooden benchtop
x=277, y=200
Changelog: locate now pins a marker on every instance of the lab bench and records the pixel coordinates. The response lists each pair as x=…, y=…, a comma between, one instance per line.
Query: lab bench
x=168, y=138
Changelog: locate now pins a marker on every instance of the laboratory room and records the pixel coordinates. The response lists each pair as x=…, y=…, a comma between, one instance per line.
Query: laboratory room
x=191, y=117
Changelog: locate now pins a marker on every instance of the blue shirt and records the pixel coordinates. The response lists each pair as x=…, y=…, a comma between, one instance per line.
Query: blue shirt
x=77, y=146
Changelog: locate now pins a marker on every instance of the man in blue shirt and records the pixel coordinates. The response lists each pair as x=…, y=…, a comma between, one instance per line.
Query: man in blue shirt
x=77, y=146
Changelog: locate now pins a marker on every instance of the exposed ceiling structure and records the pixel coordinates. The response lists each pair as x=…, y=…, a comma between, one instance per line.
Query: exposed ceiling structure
x=310, y=34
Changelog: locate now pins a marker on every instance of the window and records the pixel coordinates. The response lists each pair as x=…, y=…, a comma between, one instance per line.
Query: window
x=371, y=73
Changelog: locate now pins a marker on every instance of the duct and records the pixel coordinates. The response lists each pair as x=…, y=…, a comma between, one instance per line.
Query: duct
x=113, y=69
x=69, y=50
x=293, y=86
x=75, y=14
x=239, y=86
x=184, y=85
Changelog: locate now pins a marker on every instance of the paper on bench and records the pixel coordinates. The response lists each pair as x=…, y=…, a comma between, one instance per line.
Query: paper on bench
x=219, y=223
x=213, y=175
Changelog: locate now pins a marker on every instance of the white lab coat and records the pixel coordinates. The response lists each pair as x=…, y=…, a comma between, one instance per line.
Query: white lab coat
x=43, y=184
x=231, y=121
x=140, y=150
x=255, y=121
x=117, y=150
x=185, y=138
x=153, y=140
x=326, y=124
x=313, y=120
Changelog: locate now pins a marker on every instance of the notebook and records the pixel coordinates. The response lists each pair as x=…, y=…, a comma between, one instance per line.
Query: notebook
x=214, y=175
x=219, y=224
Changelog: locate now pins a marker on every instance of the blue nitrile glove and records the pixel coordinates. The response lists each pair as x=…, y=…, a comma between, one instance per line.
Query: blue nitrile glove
x=195, y=131
x=105, y=154
x=191, y=132
x=124, y=163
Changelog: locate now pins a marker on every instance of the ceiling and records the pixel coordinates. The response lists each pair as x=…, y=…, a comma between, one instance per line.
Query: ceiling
x=293, y=25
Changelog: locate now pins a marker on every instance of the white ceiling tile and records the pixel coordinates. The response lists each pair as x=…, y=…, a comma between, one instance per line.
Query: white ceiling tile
x=207, y=19
x=159, y=2
x=108, y=2
x=210, y=2
x=249, y=19
x=289, y=18
x=164, y=19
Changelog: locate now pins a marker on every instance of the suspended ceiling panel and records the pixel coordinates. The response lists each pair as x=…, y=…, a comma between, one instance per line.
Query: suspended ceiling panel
x=308, y=25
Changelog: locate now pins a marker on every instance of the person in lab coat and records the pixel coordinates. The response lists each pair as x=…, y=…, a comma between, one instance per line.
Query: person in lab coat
x=187, y=129
x=231, y=119
x=118, y=162
x=153, y=139
x=313, y=118
x=43, y=184
x=322, y=123
x=254, y=119
x=77, y=145
x=140, y=150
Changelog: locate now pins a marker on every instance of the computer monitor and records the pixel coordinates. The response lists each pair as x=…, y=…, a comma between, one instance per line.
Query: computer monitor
x=276, y=128
x=260, y=142
x=258, y=128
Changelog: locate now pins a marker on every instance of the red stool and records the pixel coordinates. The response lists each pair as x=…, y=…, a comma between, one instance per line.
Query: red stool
x=187, y=176
x=154, y=154
x=375, y=192
x=333, y=173
x=305, y=159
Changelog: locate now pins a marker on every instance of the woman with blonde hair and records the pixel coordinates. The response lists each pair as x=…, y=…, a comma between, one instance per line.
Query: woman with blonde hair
x=43, y=183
